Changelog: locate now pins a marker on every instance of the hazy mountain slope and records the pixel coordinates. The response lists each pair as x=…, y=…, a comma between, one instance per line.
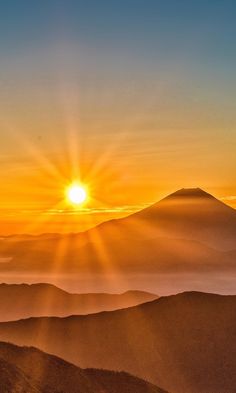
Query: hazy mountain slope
x=24, y=301
x=28, y=370
x=184, y=343
x=187, y=230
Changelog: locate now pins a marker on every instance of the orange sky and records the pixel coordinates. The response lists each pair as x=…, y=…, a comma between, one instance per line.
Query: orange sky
x=135, y=112
x=123, y=175
x=127, y=161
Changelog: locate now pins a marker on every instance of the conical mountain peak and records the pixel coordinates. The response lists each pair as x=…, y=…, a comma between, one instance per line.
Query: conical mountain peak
x=190, y=193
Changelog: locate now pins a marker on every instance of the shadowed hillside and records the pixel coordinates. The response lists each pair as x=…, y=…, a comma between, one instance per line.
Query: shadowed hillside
x=184, y=343
x=24, y=301
x=28, y=370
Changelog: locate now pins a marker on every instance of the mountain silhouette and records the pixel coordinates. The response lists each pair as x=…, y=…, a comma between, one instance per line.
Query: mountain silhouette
x=196, y=215
x=24, y=301
x=28, y=370
x=189, y=230
x=184, y=343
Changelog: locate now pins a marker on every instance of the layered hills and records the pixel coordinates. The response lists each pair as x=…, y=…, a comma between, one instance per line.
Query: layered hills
x=183, y=343
x=24, y=301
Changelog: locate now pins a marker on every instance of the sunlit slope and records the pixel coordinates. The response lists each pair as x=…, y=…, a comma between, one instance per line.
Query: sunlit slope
x=28, y=370
x=24, y=301
x=183, y=343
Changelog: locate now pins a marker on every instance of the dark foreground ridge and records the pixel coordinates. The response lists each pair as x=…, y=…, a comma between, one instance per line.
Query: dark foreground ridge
x=28, y=370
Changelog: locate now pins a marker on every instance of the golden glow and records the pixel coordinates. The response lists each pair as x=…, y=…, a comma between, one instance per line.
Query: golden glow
x=76, y=194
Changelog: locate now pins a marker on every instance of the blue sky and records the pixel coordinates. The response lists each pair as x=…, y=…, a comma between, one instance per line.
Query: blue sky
x=206, y=28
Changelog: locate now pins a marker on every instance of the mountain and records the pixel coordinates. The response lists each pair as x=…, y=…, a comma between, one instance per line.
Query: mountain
x=195, y=215
x=184, y=343
x=187, y=231
x=28, y=370
x=24, y=301
x=188, y=214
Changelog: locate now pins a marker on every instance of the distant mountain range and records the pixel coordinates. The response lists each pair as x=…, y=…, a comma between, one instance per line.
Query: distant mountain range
x=28, y=370
x=187, y=231
x=24, y=301
x=184, y=343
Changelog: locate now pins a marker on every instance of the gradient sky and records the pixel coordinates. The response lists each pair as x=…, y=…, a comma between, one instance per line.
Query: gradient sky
x=135, y=98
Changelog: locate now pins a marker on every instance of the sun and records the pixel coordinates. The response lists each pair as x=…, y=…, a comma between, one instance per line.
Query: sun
x=77, y=194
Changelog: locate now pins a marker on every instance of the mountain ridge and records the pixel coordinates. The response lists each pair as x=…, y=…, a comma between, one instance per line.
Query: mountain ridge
x=29, y=370
x=20, y=301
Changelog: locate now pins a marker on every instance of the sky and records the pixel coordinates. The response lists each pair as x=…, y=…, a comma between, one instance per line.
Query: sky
x=135, y=99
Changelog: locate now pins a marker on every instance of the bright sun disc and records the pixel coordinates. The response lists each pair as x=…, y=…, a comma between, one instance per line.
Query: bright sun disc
x=77, y=194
